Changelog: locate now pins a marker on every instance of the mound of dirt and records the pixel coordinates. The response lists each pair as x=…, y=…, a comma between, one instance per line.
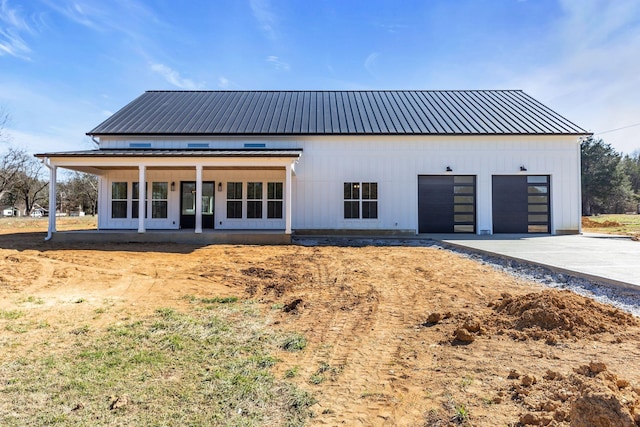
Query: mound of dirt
x=259, y=272
x=589, y=223
x=592, y=396
x=553, y=315
x=264, y=282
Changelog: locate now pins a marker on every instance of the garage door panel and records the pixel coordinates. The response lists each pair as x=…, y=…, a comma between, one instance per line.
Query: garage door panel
x=446, y=204
x=521, y=204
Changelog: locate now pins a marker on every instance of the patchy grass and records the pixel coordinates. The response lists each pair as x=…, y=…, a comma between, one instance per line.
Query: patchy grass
x=292, y=372
x=627, y=225
x=212, y=300
x=199, y=368
x=11, y=314
x=219, y=300
x=40, y=224
x=31, y=300
x=294, y=342
x=461, y=414
x=324, y=372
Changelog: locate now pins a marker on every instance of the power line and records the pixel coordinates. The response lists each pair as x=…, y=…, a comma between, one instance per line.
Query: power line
x=613, y=130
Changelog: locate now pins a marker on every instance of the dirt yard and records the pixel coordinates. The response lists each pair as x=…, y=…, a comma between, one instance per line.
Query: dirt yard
x=401, y=336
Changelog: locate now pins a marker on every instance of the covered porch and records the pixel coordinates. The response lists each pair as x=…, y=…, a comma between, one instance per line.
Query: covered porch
x=221, y=195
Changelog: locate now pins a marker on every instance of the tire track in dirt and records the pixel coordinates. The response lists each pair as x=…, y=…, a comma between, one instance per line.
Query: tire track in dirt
x=358, y=342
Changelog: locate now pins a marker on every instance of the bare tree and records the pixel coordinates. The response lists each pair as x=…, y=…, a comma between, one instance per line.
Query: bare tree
x=12, y=164
x=80, y=190
x=29, y=187
x=4, y=119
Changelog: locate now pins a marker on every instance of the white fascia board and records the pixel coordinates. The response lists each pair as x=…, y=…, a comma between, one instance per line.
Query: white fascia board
x=169, y=162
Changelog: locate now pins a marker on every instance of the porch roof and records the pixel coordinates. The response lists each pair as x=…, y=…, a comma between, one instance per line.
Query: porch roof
x=175, y=153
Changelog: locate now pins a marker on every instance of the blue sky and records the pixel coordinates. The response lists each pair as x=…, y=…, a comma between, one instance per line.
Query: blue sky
x=66, y=65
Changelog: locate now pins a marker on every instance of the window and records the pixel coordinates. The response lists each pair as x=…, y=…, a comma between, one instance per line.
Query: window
x=254, y=200
x=370, y=200
x=464, y=217
x=360, y=195
x=351, y=200
x=234, y=200
x=135, y=199
x=159, y=192
x=274, y=200
x=538, y=203
x=118, y=200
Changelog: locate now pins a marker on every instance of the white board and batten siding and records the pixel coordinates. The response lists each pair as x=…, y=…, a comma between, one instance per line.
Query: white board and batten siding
x=393, y=162
x=396, y=162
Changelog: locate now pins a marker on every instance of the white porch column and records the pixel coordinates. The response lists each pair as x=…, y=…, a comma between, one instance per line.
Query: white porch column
x=52, y=199
x=287, y=202
x=142, y=197
x=198, y=198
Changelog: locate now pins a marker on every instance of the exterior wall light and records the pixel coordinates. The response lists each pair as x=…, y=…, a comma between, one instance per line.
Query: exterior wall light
x=523, y=169
x=448, y=169
x=219, y=187
x=173, y=186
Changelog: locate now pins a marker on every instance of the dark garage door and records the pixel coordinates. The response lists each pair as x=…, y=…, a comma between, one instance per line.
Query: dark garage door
x=446, y=204
x=521, y=204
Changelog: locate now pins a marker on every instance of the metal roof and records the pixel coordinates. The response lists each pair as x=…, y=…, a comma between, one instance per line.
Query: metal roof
x=175, y=152
x=393, y=112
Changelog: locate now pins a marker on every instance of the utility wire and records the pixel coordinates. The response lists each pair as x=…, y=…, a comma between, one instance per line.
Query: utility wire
x=613, y=130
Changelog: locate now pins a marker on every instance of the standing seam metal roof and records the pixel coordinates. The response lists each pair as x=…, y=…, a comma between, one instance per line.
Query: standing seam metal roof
x=398, y=112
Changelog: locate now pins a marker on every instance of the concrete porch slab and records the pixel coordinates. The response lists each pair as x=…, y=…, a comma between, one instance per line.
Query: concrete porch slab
x=208, y=237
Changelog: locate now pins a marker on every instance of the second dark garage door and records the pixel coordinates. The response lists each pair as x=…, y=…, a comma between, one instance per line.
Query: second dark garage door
x=446, y=204
x=521, y=204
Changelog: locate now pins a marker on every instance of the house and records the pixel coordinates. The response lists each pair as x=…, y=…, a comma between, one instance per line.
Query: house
x=401, y=162
x=10, y=211
x=38, y=211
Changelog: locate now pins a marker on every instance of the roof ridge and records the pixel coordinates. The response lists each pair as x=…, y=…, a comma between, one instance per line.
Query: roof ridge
x=323, y=90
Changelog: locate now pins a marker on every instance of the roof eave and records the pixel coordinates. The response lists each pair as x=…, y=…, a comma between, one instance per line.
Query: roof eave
x=253, y=135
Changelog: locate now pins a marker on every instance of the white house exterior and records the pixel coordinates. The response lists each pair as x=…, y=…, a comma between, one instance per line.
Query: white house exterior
x=381, y=162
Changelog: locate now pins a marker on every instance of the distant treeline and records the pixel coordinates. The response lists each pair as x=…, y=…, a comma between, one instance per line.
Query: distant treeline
x=610, y=180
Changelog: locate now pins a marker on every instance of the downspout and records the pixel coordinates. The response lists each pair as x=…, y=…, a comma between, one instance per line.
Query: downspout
x=580, y=213
x=45, y=161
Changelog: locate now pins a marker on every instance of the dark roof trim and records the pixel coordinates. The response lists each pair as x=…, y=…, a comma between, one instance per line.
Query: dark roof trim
x=585, y=133
x=294, y=153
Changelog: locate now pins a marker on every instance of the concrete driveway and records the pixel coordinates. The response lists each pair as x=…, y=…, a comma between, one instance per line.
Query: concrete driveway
x=613, y=260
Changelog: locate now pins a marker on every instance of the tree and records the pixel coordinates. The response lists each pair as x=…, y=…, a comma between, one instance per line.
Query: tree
x=4, y=119
x=631, y=168
x=29, y=187
x=12, y=163
x=604, y=187
x=81, y=190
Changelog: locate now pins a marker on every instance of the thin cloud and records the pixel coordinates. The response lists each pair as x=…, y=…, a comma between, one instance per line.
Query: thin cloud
x=173, y=77
x=12, y=24
x=370, y=62
x=12, y=17
x=597, y=80
x=80, y=13
x=12, y=44
x=263, y=13
x=223, y=82
x=391, y=28
x=129, y=17
x=277, y=64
